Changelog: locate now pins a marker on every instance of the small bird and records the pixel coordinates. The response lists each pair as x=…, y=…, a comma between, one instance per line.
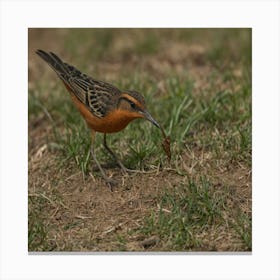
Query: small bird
x=104, y=107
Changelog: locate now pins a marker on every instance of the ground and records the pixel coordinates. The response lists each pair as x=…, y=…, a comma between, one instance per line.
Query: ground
x=197, y=85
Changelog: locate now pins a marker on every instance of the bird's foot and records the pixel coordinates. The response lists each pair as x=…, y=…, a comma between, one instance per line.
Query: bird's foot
x=111, y=183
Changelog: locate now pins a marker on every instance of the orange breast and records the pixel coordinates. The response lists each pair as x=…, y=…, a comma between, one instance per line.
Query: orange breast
x=113, y=122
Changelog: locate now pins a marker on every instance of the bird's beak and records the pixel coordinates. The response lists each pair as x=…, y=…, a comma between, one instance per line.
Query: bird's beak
x=148, y=116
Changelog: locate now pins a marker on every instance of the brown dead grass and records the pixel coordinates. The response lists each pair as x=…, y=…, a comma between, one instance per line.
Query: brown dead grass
x=83, y=215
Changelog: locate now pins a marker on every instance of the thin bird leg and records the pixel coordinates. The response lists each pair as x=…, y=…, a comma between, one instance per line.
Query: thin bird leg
x=110, y=182
x=123, y=168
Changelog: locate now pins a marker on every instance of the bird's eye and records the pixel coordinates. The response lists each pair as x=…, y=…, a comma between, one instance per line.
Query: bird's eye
x=132, y=105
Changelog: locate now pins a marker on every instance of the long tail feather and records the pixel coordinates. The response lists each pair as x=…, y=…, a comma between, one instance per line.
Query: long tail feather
x=54, y=61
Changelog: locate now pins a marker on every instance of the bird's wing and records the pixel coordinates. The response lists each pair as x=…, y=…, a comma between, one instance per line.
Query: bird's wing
x=97, y=96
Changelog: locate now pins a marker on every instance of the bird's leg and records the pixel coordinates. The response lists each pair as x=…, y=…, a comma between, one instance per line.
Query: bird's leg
x=123, y=168
x=110, y=182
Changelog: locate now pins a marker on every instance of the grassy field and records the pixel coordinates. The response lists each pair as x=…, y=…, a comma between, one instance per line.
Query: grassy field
x=197, y=85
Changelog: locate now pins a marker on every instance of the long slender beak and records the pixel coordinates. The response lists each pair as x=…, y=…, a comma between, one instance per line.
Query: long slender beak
x=148, y=116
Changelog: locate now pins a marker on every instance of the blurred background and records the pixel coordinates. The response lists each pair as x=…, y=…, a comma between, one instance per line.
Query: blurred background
x=197, y=84
x=112, y=54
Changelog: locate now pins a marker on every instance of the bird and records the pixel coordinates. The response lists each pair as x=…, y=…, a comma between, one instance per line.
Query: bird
x=105, y=108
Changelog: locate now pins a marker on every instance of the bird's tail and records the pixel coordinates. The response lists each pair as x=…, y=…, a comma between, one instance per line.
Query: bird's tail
x=55, y=63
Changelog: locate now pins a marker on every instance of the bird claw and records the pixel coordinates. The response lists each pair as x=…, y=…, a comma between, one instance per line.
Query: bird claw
x=111, y=183
x=126, y=171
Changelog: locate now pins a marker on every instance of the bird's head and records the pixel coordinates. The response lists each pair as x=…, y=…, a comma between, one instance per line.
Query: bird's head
x=133, y=103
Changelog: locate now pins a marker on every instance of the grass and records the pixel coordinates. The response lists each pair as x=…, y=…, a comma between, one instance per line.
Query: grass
x=36, y=228
x=206, y=110
x=190, y=209
x=184, y=212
